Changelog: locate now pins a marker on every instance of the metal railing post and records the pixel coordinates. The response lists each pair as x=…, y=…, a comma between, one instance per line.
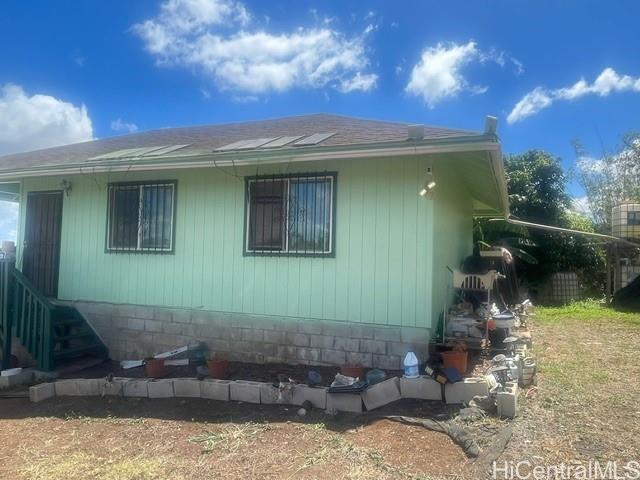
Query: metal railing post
x=6, y=310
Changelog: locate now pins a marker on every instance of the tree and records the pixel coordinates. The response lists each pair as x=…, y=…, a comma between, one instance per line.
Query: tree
x=537, y=193
x=610, y=179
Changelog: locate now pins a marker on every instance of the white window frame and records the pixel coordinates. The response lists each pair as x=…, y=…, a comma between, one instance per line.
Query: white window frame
x=141, y=186
x=288, y=178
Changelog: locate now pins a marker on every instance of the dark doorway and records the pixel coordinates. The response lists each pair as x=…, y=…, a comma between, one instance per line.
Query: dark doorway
x=41, y=249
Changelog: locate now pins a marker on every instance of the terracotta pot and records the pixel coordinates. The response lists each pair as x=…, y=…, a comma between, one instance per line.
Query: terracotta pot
x=218, y=368
x=154, y=368
x=455, y=359
x=355, y=371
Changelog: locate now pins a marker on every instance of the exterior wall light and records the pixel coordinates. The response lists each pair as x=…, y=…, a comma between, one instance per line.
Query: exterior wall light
x=428, y=186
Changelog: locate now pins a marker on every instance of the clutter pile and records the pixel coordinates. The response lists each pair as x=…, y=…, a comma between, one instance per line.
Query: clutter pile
x=476, y=318
x=181, y=356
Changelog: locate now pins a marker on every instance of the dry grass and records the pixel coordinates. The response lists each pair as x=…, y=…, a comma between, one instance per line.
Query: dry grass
x=587, y=392
x=81, y=465
x=229, y=438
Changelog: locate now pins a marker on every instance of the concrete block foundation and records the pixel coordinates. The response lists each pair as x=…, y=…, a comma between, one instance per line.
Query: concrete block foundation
x=132, y=332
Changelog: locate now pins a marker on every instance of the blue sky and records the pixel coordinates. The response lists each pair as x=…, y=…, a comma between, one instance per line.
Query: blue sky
x=557, y=70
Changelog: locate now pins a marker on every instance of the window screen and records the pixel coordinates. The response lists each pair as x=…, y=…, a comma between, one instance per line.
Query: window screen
x=290, y=215
x=633, y=218
x=141, y=217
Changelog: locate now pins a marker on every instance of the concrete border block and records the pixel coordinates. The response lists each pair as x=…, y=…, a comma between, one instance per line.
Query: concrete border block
x=186, y=387
x=66, y=388
x=113, y=388
x=381, y=393
x=136, y=388
x=507, y=401
x=162, y=388
x=270, y=395
x=423, y=388
x=25, y=376
x=88, y=387
x=41, y=392
x=215, y=389
x=316, y=395
x=245, y=391
x=464, y=391
x=344, y=402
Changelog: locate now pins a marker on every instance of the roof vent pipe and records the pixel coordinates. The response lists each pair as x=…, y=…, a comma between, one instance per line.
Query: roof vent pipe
x=415, y=132
x=490, y=125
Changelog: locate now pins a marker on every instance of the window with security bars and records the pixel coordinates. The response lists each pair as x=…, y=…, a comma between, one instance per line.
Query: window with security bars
x=291, y=214
x=141, y=217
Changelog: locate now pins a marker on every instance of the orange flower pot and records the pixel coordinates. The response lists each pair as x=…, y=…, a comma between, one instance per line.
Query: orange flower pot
x=155, y=368
x=455, y=359
x=218, y=368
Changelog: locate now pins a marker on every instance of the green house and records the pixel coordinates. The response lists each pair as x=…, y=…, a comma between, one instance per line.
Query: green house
x=318, y=239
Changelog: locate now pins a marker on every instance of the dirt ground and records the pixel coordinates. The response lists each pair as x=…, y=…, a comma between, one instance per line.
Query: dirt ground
x=585, y=407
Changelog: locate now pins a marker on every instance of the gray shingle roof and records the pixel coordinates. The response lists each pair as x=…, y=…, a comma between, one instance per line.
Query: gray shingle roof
x=206, y=138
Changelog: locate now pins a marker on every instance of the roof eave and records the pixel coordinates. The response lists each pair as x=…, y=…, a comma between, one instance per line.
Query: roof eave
x=286, y=155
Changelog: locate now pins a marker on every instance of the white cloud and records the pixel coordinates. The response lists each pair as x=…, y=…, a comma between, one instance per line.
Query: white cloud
x=609, y=81
x=34, y=122
x=8, y=220
x=581, y=205
x=215, y=37
x=590, y=165
x=438, y=75
x=531, y=103
x=39, y=121
x=119, y=126
x=359, y=82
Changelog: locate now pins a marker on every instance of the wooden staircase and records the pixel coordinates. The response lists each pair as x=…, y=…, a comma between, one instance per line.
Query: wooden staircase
x=54, y=335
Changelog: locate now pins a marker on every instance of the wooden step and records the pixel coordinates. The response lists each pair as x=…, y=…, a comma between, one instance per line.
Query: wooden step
x=66, y=322
x=78, y=364
x=73, y=336
x=93, y=348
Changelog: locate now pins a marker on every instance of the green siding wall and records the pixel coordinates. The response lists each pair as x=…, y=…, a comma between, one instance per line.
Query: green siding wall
x=382, y=271
x=453, y=231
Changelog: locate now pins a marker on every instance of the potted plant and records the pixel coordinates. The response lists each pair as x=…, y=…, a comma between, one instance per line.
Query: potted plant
x=218, y=367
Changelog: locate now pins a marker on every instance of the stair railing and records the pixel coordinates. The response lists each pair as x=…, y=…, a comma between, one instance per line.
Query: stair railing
x=32, y=320
x=6, y=296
